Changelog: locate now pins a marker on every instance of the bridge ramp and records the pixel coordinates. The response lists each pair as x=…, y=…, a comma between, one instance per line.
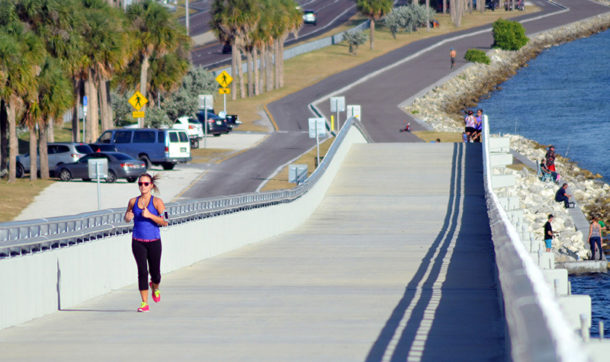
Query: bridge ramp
x=395, y=264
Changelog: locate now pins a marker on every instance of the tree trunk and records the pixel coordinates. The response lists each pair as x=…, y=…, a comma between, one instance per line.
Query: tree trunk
x=444, y=6
x=277, y=63
x=42, y=146
x=3, y=136
x=143, y=83
x=75, y=119
x=11, y=110
x=240, y=72
x=281, y=59
x=250, y=70
x=470, y=6
x=428, y=12
x=50, y=132
x=457, y=11
x=234, y=52
x=33, y=153
x=481, y=6
x=92, y=127
x=256, y=73
x=105, y=109
x=372, y=32
x=269, y=67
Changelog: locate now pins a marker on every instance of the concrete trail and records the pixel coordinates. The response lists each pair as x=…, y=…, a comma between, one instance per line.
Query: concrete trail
x=395, y=264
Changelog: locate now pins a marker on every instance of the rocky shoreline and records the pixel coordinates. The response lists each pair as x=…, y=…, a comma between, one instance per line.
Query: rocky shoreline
x=442, y=106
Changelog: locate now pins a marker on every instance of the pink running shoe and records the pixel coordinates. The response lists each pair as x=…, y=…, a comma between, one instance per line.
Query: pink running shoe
x=156, y=294
x=143, y=307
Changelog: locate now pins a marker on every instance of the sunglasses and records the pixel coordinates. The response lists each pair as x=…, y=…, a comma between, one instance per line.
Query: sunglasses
x=143, y=183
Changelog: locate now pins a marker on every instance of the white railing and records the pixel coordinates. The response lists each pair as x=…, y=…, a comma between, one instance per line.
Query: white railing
x=537, y=328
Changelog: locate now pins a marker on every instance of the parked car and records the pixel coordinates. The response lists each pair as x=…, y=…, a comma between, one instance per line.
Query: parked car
x=216, y=125
x=164, y=147
x=59, y=153
x=230, y=119
x=193, y=129
x=120, y=165
x=101, y=147
x=310, y=17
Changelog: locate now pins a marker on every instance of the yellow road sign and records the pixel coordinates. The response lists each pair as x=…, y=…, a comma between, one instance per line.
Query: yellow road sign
x=137, y=100
x=224, y=90
x=224, y=79
x=138, y=114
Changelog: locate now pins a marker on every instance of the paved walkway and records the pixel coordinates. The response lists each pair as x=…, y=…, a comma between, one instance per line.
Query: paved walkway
x=395, y=264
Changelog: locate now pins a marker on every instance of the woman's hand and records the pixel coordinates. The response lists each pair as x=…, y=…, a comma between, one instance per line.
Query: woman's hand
x=146, y=213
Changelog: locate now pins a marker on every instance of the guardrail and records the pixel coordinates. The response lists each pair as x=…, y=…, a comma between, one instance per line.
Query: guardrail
x=537, y=329
x=31, y=236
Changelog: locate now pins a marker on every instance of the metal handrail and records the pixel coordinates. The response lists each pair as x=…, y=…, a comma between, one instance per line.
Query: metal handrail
x=29, y=236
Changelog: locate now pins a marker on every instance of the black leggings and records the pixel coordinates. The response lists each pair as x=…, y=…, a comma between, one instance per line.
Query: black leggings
x=143, y=252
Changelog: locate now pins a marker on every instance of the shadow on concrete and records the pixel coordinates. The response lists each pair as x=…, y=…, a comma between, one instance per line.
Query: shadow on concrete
x=467, y=323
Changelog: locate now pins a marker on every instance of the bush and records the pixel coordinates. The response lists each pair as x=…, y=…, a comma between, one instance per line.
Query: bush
x=354, y=39
x=408, y=18
x=476, y=56
x=508, y=35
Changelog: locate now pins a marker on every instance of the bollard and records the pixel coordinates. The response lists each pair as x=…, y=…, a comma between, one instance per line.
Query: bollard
x=584, y=331
x=601, y=330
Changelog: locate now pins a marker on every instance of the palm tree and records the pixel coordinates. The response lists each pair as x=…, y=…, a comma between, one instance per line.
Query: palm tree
x=55, y=96
x=456, y=8
x=293, y=19
x=21, y=52
x=154, y=32
x=374, y=10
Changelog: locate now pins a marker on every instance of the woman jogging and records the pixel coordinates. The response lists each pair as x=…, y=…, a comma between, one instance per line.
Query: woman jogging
x=595, y=238
x=147, y=213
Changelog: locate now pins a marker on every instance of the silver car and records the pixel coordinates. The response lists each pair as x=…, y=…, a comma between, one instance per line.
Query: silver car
x=59, y=153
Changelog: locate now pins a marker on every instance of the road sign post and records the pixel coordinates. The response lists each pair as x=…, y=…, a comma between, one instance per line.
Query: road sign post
x=354, y=110
x=98, y=169
x=317, y=128
x=224, y=79
x=337, y=104
x=138, y=101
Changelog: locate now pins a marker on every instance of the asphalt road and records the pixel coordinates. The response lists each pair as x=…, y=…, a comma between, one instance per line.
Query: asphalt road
x=331, y=13
x=378, y=95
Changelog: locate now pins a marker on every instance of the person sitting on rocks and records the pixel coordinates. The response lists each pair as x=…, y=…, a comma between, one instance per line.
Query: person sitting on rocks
x=545, y=171
x=562, y=196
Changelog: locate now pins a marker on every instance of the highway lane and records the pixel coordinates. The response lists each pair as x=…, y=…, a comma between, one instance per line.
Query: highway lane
x=379, y=97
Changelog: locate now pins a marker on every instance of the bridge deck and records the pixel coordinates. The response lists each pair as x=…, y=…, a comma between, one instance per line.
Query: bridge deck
x=395, y=264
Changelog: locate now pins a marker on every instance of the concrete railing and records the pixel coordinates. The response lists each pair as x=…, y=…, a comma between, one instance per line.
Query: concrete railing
x=538, y=329
x=58, y=278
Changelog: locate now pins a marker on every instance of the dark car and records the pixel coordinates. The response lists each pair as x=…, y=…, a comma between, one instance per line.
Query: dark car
x=103, y=147
x=216, y=124
x=120, y=165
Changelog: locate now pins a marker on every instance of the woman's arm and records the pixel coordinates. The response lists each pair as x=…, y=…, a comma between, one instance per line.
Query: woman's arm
x=129, y=212
x=590, y=231
x=160, y=207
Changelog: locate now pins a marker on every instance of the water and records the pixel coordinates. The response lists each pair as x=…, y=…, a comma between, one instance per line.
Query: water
x=563, y=98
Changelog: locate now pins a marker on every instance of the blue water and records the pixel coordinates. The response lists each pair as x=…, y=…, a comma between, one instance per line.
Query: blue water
x=563, y=98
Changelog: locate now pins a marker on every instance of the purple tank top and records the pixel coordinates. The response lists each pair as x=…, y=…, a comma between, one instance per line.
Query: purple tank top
x=145, y=229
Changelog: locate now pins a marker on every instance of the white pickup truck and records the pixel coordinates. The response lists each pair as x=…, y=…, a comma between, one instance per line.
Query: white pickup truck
x=193, y=129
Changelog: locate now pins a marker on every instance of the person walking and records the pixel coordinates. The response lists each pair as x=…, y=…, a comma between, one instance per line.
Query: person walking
x=548, y=233
x=452, y=55
x=148, y=214
x=595, y=239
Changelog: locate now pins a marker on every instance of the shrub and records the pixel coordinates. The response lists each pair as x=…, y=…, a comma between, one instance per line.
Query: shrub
x=407, y=18
x=508, y=35
x=476, y=56
x=354, y=39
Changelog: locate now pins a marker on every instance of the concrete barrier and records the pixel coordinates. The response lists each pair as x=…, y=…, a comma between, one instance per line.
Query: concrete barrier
x=41, y=283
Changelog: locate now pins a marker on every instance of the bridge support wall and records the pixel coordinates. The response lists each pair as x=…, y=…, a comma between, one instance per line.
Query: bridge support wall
x=42, y=283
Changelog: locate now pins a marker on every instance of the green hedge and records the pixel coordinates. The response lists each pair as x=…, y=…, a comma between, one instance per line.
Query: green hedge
x=509, y=35
x=476, y=56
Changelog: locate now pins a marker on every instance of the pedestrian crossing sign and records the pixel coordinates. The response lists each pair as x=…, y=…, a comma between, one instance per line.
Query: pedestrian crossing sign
x=224, y=79
x=138, y=114
x=138, y=101
x=224, y=90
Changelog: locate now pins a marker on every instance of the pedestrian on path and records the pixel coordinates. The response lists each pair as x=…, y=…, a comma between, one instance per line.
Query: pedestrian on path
x=548, y=233
x=452, y=55
x=147, y=213
x=595, y=239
